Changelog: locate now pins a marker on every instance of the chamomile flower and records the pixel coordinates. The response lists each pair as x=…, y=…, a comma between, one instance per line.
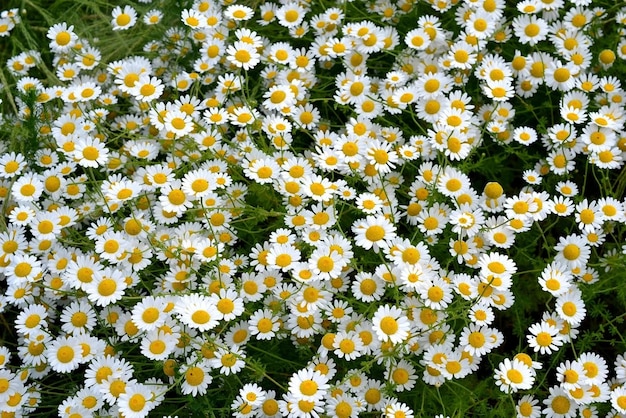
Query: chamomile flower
x=544, y=338
x=197, y=312
x=290, y=14
x=571, y=307
x=90, y=152
x=308, y=385
x=11, y=165
x=243, y=55
x=228, y=360
x=196, y=377
x=62, y=37
x=390, y=324
x=106, y=287
x=78, y=318
x=136, y=401
x=530, y=29
x=27, y=188
x=558, y=404
x=515, y=375
x=64, y=354
x=123, y=19
x=374, y=232
x=573, y=251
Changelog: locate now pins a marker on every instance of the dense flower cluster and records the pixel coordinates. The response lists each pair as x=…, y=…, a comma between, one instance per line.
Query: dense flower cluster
x=125, y=237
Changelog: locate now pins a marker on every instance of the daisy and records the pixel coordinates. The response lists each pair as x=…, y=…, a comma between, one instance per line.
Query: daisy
x=106, y=287
x=173, y=198
x=571, y=307
x=544, y=338
x=136, y=401
x=390, y=324
x=123, y=19
x=197, y=312
x=466, y=221
x=397, y=409
x=573, y=251
x=63, y=354
x=452, y=182
x=367, y=287
x=610, y=158
x=556, y=279
x=558, y=404
x=78, y=318
x=147, y=88
x=196, y=377
x=381, y=156
x=228, y=303
x=595, y=368
x=290, y=14
x=158, y=345
x=149, y=314
x=527, y=407
x=62, y=37
x=228, y=360
x=433, y=85
x=530, y=29
x=374, y=232
x=308, y=385
x=178, y=123
x=32, y=319
x=27, y=188
x=243, y=55
x=264, y=324
x=348, y=345
x=475, y=340
x=11, y=165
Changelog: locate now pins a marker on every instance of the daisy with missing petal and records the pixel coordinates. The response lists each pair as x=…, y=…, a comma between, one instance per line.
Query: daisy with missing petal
x=374, y=232
x=228, y=360
x=512, y=376
x=390, y=324
x=381, y=156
